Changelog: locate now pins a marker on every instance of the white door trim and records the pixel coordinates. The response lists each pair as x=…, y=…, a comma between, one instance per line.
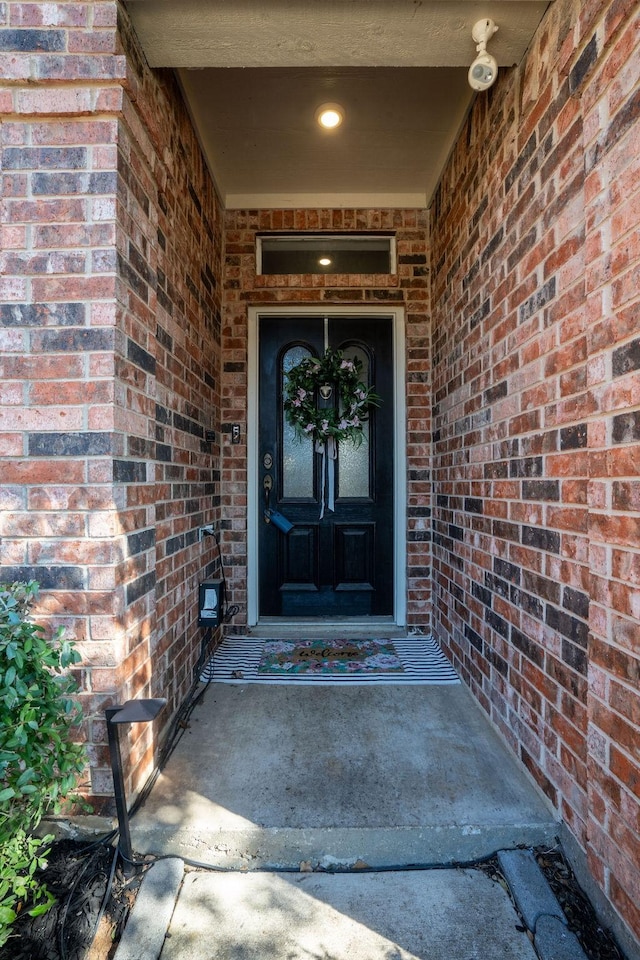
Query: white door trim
x=397, y=316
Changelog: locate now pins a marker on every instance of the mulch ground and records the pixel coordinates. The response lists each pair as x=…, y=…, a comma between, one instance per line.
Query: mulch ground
x=597, y=943
x=94, y=900
x=92, y=903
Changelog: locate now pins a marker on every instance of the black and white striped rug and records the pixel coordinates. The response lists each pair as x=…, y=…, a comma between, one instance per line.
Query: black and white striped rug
x=417, y=660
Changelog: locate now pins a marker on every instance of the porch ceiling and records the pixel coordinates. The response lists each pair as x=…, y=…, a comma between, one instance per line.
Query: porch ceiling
x=254, y=71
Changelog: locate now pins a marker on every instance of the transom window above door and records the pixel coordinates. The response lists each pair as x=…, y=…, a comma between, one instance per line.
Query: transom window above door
x=325, y=253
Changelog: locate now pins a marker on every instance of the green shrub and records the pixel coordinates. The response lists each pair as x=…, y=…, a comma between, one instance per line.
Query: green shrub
x=39, y=760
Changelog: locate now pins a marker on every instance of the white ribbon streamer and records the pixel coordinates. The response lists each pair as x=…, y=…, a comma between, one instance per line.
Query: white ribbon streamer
x=332, y=452
x=329, y=453
x=320, y=448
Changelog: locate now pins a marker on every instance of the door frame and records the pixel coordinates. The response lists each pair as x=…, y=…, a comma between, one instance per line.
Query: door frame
x=396, y=315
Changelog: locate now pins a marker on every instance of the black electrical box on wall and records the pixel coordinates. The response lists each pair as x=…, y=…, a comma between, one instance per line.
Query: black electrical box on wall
x=210, y=603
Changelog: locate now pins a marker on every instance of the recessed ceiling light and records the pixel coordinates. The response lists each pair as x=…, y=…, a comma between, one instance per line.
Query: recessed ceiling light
x=324, y=261
x=330, y=115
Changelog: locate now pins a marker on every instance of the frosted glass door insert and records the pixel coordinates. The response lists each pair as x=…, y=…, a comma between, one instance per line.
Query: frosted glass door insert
x=354, y=461
x=297, y=452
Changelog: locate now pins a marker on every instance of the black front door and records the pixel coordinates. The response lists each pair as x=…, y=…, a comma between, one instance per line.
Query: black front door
x=340, y=565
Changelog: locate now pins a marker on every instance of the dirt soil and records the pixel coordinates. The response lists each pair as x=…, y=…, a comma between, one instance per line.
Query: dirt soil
x=86, y=924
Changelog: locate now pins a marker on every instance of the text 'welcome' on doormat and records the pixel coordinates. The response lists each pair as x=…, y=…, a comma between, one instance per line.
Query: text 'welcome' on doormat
x=247, y=660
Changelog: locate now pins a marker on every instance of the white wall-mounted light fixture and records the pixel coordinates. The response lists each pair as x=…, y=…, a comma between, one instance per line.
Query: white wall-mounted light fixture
x=484, y=69
x=329, y=115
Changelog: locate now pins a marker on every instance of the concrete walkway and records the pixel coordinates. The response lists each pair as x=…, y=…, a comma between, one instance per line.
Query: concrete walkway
x=276, y=786
x=436, y=915
x=396, y=915
x=271, y=776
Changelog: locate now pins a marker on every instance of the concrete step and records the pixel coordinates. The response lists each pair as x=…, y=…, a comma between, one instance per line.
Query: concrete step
x=282, y=848
x=273, y=628
x=396, y=775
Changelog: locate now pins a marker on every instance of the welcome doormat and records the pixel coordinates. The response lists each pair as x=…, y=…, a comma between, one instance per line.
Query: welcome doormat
x=411, y=660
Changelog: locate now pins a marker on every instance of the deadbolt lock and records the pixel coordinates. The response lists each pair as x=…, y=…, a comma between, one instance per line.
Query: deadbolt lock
x=267, y=461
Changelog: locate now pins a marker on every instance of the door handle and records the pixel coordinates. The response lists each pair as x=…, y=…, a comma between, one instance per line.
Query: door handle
x=267, y=486
x=273, y=516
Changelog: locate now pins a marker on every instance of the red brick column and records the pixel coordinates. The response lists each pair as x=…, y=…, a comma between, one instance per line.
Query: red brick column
x=109, y=335
x=58, y=330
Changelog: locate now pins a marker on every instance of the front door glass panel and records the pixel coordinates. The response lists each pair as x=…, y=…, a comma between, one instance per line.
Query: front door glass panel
x=297, y=452
x=354, y=461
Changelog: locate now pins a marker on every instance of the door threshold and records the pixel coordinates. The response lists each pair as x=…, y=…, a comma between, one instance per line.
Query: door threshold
x=277, y=628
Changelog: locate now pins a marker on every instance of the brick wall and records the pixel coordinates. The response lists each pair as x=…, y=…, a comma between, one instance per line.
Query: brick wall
x=408, y=288
x=109, y=336
x=169, y=261
x=535, y=259
x=610, y=95
x=57, y=328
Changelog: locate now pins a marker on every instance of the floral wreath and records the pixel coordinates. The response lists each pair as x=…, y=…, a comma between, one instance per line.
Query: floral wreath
x=343, y=421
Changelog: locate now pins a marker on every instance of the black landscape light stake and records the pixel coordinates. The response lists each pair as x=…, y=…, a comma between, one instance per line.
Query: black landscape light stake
x=133, y=711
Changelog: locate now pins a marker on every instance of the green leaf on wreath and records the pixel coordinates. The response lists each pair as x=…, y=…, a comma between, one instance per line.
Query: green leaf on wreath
x=346, y=419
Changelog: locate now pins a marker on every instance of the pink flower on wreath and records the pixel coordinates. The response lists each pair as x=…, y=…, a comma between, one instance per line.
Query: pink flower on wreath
x=296, y=402
x=324, y=425
x=346, y=365
x=302, y=393
x=308, y=428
